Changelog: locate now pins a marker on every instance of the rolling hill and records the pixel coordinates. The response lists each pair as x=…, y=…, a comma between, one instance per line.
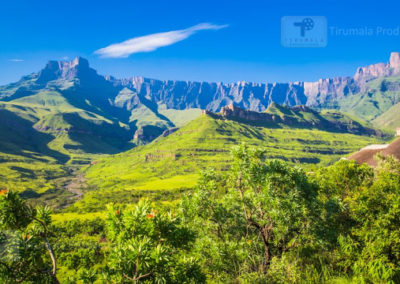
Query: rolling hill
x=170, y=165
x=61, y=117
x=66, y=115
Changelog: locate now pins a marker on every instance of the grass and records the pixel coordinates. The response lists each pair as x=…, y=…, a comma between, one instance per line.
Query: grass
x=69, y=216
x=390, y=119
x=46, y=132
x=173, y=163
x=380, y=95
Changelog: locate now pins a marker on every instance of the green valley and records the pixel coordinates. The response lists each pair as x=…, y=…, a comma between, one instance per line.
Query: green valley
x=169, y=165
x=106, y=180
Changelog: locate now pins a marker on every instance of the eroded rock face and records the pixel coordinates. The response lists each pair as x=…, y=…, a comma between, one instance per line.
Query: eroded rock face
x=325, y=90
x=66, y=70
x=233, y=112
x=130, y=93
x=329, y=89
x=258, y=96
x=214, y=96
x=394, y=63
x=372, y=71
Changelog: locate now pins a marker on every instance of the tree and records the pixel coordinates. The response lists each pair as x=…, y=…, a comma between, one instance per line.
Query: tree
x=147, y=245
x=268, y=208
x=25, y=241
x=338, y=185
x=372, y=247
x=361, y=216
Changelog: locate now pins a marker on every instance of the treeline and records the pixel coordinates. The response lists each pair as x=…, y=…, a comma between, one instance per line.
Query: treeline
x=263, y=221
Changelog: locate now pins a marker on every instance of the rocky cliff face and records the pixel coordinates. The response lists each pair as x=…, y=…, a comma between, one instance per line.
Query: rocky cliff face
x=394, y=63
x=257, y=96
x=297, y=116
x=213, y=96
x=66, y=70
x=326, y=90
x=130, y=93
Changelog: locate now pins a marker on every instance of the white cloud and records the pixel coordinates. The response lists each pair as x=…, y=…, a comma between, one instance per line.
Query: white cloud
x=153, y=41
x=16, y=60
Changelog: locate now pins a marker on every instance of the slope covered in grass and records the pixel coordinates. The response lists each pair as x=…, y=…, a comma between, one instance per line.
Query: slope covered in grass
x=390, y=119
x=379, y=96
x=170, y=165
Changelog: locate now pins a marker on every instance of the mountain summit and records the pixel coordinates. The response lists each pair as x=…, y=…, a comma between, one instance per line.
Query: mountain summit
x=66, y=70
x=141, y=109
x=211, y=96
x=391, y=68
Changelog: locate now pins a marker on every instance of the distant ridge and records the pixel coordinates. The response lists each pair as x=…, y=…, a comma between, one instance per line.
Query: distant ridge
x=208, y=95
x=141, y=109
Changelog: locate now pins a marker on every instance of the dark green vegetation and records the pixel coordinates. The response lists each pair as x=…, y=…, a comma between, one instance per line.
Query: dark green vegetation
x=277, y=116
x=263, y=221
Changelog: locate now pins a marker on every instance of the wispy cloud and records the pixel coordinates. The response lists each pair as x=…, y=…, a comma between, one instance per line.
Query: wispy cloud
x=16, y=60
x=153, y=41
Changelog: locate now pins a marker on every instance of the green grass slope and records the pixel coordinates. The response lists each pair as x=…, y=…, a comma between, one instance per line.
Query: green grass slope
x=380, y=95
x=390, y=119
x=170, y=165
x=42, y=135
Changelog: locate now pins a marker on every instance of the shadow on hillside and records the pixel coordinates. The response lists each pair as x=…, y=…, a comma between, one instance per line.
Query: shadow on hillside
x=18, y=137
x=259, y=123
x=94, y=95
x=97, y=138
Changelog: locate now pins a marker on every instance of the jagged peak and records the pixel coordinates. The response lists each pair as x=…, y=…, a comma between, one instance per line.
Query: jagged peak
x=394, y=61
x=79, y=61
x=66, y=70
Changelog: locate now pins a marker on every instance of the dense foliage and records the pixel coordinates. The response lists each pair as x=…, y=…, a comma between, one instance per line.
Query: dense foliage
x=262, y=221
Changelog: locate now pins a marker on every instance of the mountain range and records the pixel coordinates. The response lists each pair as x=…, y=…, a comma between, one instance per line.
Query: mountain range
x=67, y=115
x=140, y=109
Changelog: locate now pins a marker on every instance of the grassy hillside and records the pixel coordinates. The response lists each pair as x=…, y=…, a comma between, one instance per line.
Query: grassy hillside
x=169, y=165
x=42, y=136
x=380, y=95
x=330, y=120
x=390, y=119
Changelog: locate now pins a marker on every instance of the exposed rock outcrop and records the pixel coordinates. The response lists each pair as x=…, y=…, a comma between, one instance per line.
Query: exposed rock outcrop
x=326, y=90
x=213, y=96
x=66, y=70
x=367, y=155
x=277, y=116
x=129, y=93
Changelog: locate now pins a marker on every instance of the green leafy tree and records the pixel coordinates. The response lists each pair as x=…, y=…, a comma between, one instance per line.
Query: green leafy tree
x=372, y=248
x=361, y=216
x=26, y=254
x=151, y=246
x=338, y=185
x=254, y=221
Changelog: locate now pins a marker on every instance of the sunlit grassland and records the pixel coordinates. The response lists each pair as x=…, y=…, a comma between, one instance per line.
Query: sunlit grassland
x=174, y=162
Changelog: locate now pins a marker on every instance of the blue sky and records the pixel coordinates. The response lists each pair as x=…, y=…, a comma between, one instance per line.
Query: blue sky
x=242, y=41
